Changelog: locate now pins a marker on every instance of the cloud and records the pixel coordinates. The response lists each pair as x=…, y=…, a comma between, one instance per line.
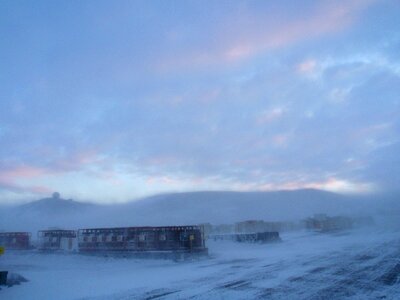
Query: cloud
x=12, y=174
x=271, y=115
x=9, y=181
x=331, y=184
x=250, y=35
x=344, y=186
x=307, y=67
x=35, y=179
x=252, y=95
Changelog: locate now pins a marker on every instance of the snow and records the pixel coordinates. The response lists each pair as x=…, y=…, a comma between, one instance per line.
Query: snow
x=358, y=264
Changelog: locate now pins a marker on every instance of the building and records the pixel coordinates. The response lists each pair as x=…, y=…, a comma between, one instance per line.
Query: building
x=57, y=239
x=259, y=237
x=249, y=226
x=255, y=237
x=183, y=239
x=15, y=240
x=253, y=226
x=222, y=229
x=324, y=223
x=208, y=228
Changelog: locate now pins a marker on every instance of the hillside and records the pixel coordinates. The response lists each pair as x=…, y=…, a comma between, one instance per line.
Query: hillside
x=54, y=206
x=178, y=208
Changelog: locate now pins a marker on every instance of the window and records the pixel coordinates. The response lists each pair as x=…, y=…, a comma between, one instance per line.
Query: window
x=171, y=236
x=184, y=236
x=142, y=237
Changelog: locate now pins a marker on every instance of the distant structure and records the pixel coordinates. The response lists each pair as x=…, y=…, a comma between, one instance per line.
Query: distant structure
x=251, y=226
x=222, y=229
x=256, y=237
x=324, y=223
x=259, y=237
x=15, y=240
x=208, y=228
x=168, y=239
x=56, y=195
x=254, y=226
x=57, y=239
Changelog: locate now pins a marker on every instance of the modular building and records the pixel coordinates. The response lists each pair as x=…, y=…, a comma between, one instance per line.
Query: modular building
x=57, y=239
x=15, y=240
x=256, y=237
x=324, y=223
x=253, y=226
x=171, y=239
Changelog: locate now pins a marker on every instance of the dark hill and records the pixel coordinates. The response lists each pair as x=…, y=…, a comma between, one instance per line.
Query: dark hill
x=180, y=208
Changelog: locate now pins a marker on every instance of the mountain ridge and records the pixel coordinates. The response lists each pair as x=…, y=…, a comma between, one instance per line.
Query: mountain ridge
x=215, y=207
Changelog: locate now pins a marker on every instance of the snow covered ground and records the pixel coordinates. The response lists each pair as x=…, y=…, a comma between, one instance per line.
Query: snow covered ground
x=361, y=264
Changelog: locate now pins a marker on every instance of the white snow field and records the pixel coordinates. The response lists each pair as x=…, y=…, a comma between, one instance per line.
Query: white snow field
x=359, y=264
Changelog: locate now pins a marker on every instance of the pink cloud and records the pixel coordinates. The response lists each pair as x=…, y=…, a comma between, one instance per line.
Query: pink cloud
x=280, y=140
x=246, y=37
x=17, y=178
x=331, y=184
x=77, y=161
x=268, y=116
x=40, y=190
x=17, y=188
x=165, y=180
x=344, y=186
x=9, y=179
x=329, y=17
x=12, y=174
x=307, y=67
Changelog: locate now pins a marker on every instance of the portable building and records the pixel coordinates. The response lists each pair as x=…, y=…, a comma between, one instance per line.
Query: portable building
x=188, y=239
x=324, y=223
x=258, y=237
x=15, y=240
x=57, y=239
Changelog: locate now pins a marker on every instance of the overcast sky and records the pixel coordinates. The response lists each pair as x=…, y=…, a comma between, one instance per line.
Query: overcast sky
x=115, y=100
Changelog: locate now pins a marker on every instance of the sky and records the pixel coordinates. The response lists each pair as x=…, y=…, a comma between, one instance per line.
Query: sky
x=109, y=101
